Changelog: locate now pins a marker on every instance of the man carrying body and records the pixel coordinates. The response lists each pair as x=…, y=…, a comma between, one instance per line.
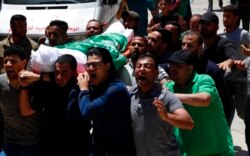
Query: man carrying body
x=22, y=134
x=57, y=33
x=63, y=135
x=94, y=27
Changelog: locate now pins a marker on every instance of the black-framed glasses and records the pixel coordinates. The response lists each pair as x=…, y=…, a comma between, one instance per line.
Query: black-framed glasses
x=93, y=64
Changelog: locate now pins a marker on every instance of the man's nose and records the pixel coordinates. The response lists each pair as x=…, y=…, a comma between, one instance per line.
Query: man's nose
x=8, y=63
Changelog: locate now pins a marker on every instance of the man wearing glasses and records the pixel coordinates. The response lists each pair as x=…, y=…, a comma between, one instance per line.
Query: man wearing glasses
x=104, y=99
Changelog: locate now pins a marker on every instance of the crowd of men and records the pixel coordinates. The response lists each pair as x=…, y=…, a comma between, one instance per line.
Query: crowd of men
x=176, y=94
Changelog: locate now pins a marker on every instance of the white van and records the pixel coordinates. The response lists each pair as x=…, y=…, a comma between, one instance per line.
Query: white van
x=39, y=13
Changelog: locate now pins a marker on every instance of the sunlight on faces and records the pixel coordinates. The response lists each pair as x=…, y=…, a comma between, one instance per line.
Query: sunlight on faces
x=229, y=19
x=180, y=73
x=190, y=43
x=154, y=42
x=138, y=45
x=93, y=28
x=19, y=28
x=97, y=70
x=13, y=65
x=145, y=72
x=130, y=22
x=164, y=6
x=195, y=23
x=63, y=74
x=56, y=36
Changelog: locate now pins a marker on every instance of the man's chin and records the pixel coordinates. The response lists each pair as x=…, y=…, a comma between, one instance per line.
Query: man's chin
x=12, y=76
x=60, y=84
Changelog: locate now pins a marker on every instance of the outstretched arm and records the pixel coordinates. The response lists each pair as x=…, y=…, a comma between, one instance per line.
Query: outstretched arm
x=201, y=99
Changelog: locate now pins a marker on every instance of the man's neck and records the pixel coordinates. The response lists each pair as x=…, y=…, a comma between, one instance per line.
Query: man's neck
x=14, y=83
x=231, y=29
x=15, y=39
x=146, y=90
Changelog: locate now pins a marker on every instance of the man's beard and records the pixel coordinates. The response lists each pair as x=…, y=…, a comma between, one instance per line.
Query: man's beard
x=206, y=34
x=134, y=56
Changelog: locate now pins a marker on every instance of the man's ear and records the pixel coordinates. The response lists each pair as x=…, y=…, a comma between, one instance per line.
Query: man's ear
x=107, y=66
x=190, y=68
x=138, y=24
x=75, y=73
x=24, y=63
x=156, y=73
x=12, y=27
x=65, y=37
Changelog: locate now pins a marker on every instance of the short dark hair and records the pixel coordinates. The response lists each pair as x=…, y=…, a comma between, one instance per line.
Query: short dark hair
x=67, y=58
x=174, y=23
x=15, y=50
x=166, y=35
x=196, y=15
x=94, y=20
x=17, y=17
x=61, y=24
x=190, y=32
x=233, y=9
x=143, y=38
x=106, y=57
x=149, y=55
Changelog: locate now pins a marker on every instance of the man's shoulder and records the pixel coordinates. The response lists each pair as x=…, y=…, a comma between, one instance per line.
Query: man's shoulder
x=4, y=42
x=221, y=40
x=202, y=78
x=211, y=66
x=3, y=79
x=33, y=43
x=118, y=85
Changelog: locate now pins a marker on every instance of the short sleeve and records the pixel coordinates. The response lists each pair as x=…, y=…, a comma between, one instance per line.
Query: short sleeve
x=171, y=102
x=206, y=84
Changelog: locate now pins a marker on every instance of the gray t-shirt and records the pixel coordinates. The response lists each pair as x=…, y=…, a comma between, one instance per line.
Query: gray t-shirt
x=18, y=129
x=247, y=104
x=239, y=36
x=152, y=135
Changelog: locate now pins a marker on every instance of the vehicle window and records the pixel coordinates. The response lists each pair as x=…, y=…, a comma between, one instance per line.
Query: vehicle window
x=27, y=2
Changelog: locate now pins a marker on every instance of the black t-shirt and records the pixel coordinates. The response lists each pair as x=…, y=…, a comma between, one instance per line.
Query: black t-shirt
x=222, y=50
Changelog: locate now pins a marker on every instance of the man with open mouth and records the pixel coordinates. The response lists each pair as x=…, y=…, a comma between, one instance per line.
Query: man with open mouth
x=154, y=112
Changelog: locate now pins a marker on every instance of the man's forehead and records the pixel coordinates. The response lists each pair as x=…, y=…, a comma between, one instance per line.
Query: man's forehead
x=190, y=37
x=63, y=66
x=94, y=58
x=13, y=56
x=93, y=23
x=145, y=60
x=138, y=39
x=154, y=33
x=54, y=28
